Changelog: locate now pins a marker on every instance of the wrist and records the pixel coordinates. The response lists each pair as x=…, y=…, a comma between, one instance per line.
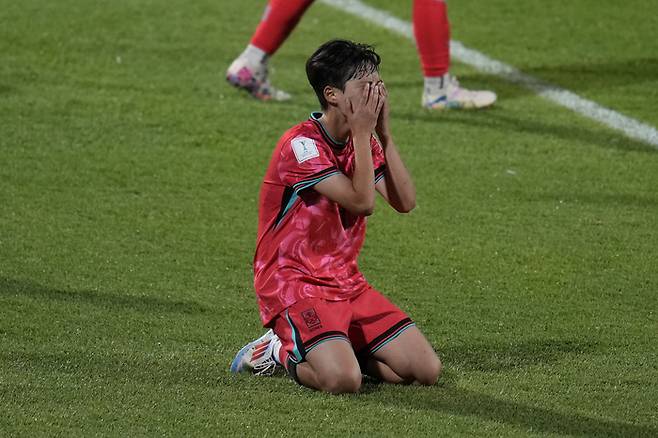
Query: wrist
x=361, y=136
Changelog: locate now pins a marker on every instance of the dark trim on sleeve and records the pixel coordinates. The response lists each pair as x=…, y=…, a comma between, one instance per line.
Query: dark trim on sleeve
x=319, y=174
x=314, y=179
x=380, y=172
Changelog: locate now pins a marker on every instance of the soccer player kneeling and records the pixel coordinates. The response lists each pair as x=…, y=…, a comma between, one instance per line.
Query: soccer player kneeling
x=328, y=326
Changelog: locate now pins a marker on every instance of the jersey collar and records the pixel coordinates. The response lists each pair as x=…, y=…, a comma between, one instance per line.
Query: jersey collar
x=315, y=117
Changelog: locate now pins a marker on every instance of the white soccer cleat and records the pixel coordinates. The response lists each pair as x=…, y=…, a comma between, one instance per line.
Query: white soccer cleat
x=452, y=96
x=257, y=356
x=252, y=77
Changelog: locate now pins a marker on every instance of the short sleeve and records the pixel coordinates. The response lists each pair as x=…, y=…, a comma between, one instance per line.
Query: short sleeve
x=305, y=162
x=378, y=159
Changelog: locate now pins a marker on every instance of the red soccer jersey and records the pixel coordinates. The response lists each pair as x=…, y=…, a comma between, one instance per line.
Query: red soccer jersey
x=307, y=245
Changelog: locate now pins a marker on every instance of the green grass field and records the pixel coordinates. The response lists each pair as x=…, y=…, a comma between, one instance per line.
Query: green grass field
x=129, y=176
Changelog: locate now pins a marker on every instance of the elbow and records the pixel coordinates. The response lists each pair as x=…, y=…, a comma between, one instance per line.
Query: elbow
x=406, y=207
x=365, y=210
x=368, y=211
x=362, y=209
x=361, y=205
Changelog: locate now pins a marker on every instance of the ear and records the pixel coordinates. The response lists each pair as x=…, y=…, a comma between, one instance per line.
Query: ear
x=330, y=95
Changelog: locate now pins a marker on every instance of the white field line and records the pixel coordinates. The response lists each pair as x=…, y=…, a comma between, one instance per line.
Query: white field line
x=629, y=126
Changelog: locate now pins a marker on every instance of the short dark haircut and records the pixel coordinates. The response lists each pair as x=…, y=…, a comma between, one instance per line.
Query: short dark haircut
x=338, y=61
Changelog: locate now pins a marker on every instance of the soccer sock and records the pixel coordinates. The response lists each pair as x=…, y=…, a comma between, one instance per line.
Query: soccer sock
x=280, y=18
x=436, y=86
x=432, y=32
x=279, y=356
x=254, y=55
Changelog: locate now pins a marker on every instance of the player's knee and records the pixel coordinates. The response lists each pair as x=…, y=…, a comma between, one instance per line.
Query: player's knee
x=345, y=381
x=429, y=372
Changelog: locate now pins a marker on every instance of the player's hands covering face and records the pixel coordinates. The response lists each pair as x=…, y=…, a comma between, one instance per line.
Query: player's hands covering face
x=382, y=128
x=362, y=104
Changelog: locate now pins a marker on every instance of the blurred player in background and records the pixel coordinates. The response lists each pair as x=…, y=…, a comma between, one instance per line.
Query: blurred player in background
x=431, y=29
x=328, y=325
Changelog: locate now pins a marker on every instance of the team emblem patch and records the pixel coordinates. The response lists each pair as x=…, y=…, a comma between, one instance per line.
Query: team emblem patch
x=311, y=319
x=304, y=149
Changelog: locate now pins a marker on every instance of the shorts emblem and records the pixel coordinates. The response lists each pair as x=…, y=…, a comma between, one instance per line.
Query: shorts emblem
x=311, y=319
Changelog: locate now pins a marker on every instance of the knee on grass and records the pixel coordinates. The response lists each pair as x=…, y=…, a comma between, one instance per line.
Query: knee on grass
x=341, y=382
x=429, y=372
x=426, y=372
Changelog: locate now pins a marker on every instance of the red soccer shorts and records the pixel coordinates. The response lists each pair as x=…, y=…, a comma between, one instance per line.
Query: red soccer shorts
x=368, y=321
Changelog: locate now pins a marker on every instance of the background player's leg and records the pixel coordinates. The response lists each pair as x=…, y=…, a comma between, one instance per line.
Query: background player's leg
x=410, y=357
x=280, y=18
x=331, y=367
x=249, y=70
x=432, y=32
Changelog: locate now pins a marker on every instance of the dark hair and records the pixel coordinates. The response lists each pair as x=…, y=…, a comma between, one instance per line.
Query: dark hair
x=338, y=61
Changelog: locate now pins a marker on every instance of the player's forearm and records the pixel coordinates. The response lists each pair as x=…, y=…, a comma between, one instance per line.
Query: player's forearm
x=400, y=186
x=362, y=179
